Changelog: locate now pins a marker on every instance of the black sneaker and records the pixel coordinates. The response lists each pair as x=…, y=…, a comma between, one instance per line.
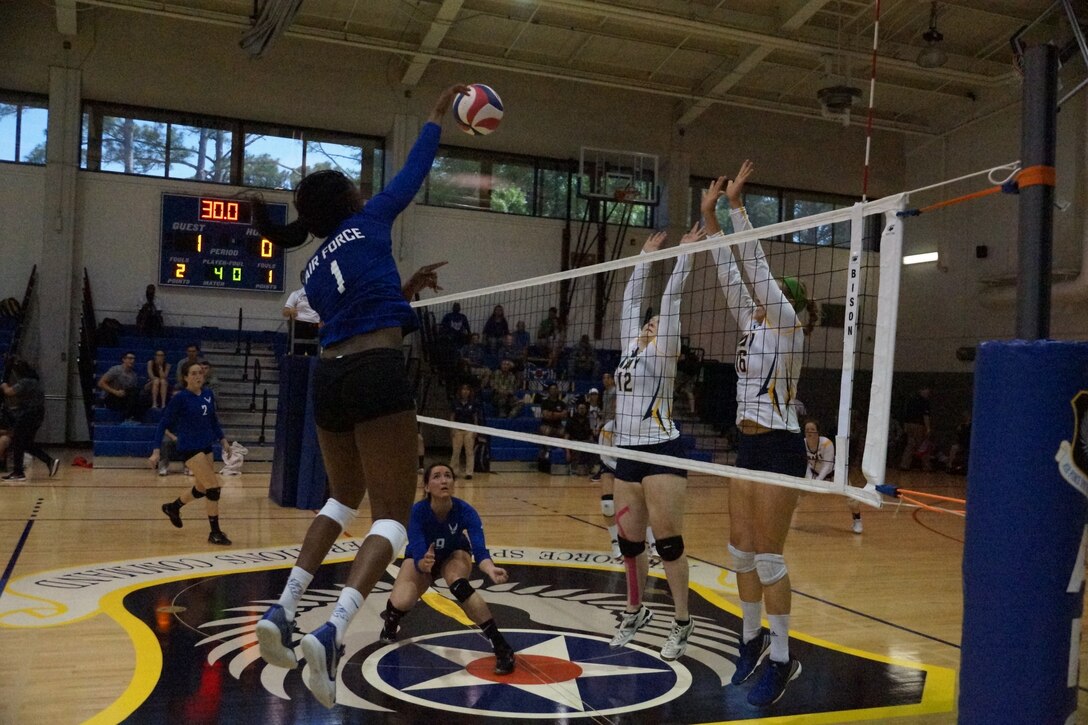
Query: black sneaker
x=772, y=683
x=15, y=477
x=173, y=514
x=750, y=654
x=218, y=537
x=504, y=661
x=54, y=467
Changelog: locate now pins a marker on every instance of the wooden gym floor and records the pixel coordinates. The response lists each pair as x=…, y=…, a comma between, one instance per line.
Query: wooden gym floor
x=893, y=591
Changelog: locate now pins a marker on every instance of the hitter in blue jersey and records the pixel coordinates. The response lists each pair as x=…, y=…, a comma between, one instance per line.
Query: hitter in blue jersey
x=363, y=400
x=444, y=535
x=190, y=415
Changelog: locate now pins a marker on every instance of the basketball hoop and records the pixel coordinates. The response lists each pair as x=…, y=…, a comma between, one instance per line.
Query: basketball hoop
x=624, y=195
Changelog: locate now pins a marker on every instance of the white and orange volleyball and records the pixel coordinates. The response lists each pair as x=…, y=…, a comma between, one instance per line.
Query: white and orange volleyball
x=478, y=110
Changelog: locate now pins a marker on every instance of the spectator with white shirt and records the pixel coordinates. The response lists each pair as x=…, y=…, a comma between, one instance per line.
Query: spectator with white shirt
x=304, y=322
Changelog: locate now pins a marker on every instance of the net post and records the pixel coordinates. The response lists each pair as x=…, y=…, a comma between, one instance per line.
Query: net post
x=1038, y=142
x=1023, y=566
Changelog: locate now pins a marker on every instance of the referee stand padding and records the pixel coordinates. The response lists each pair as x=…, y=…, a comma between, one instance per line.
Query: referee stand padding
x=1023, y=561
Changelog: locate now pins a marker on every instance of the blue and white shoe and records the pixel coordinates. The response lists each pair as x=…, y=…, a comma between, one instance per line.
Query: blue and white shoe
x=750, y=653
x=274, y=636
x=772, y=683
x=323, y=659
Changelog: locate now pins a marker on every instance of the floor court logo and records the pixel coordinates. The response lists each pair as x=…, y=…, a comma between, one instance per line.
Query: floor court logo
x=559, y=610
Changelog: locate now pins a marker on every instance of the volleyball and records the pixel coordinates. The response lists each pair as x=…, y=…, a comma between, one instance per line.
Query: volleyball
x=478, y=110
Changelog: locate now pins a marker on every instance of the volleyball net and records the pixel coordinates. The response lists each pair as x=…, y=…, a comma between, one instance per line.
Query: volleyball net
x=568, y=329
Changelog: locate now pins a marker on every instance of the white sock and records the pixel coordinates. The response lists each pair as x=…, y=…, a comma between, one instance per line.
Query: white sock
x=613, y=532
x=293, y=591
x=752, y=611
x=346, y=607
x=780, y=637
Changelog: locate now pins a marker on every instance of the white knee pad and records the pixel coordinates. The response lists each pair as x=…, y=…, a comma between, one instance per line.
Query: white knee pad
x=743, y=561
x=771, y=568
x=392, y=531
x=338, y=512
x=608, y=507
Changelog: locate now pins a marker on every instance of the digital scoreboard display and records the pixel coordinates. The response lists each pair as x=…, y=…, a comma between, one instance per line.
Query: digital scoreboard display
x=208, y=243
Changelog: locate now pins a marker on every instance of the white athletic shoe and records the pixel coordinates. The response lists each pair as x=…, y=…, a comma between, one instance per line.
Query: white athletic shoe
x=857, y=526
x=630, y=624
x=677, y=642
x=322, y=663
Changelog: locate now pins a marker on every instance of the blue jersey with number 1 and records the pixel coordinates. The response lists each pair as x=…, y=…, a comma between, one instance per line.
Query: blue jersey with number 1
x=352, y=281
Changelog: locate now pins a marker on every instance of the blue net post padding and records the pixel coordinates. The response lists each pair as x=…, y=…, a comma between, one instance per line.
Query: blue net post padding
x=1023, y=593
x=298, y=472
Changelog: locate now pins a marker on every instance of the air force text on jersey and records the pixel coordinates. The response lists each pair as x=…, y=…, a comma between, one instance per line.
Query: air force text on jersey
x=348, y=235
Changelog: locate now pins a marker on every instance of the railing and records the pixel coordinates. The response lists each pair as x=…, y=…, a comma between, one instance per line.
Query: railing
x=20, y=323
x=264, y=417
x=256, y=382
x=88, y=345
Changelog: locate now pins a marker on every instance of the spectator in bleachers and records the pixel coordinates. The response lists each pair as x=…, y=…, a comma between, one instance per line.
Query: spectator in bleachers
x=465, y=410
x=579, y=428
x=210, y=381
x=593, y=410
x=508, y=350
x=158, y=379
x=192, y=354
x=495, y=329
x=583, y=359
x=549, y=326
x=149, y=318
x=474, y=362
x=27, y=415
x=504, y=386
x=122, y=387
x=454, y=326
x=521, y=339
x=553, y=413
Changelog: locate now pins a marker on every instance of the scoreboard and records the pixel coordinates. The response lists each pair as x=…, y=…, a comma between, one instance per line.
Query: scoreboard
x=208, y=243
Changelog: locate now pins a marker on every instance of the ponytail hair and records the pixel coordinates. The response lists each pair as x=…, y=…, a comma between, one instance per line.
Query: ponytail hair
x=812, y=307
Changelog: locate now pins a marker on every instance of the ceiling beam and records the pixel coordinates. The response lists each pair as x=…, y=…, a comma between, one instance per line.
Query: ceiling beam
x=432, y=40
x=707, y=29
x=793, y=15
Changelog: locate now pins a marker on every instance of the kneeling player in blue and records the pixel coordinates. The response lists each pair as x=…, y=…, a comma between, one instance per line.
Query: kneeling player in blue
x=443, y=535
x=190, y=415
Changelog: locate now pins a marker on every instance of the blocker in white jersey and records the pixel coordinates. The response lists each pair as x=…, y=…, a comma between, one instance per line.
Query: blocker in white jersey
x=646, y=374
x=772, y=340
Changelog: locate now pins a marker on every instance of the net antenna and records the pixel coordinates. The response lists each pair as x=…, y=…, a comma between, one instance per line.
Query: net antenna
x=1058, y=25
x=616, y=188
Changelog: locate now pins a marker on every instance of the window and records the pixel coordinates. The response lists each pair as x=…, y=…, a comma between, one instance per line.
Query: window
x=770, y=205
x=23, y=124
x=175, y=145
x=511, y=184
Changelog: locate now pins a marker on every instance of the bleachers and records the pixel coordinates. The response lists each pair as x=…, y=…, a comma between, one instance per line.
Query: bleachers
x=124, y=444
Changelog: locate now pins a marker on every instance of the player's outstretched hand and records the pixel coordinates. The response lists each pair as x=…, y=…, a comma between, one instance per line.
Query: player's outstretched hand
x=445, y=100
x=424, y=278
x=734, y=190
x=654, y=242
x=695, y=234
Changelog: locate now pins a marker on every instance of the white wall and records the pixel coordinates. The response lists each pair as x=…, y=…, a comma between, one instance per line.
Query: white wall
x=963, y=300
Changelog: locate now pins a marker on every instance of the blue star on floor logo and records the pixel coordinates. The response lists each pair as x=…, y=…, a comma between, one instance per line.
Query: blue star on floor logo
x=558, y=674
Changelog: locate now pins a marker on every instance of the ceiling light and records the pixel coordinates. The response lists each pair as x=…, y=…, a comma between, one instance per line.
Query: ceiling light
x=933, y=55
x=920, y=258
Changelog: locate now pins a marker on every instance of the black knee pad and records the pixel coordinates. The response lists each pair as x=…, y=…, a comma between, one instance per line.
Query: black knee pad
x=214, y=493
x=670, y=548
x=462, y=590
x=631, y=549
x=197, y=493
